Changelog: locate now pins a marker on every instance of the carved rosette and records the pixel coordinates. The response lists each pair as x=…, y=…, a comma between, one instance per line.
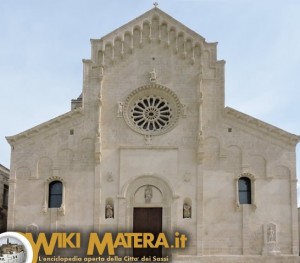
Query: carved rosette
x=152, y=109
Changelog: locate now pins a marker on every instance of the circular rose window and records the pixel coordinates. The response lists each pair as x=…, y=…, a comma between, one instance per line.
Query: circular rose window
x=152, y=110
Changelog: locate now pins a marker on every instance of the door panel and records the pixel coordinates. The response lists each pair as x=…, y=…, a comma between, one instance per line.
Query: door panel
x=147, y=220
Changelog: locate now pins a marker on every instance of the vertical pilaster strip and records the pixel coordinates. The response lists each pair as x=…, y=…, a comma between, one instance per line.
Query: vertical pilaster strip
x=294, y=217
x=11, y=203
x=199, y=210
x=97, y=173
x=245, y=229
x=200, y=174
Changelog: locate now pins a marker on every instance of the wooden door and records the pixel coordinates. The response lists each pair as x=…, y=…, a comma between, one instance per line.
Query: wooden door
x=147, y=220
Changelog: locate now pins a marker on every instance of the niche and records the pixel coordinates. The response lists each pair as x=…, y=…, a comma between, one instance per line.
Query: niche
x=187, y=208
x=109, y=208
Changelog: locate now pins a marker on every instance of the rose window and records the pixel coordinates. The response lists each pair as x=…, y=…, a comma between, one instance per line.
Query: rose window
x=152, y=110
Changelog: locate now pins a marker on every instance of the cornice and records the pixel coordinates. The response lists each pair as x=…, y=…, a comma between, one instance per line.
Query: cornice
x=4, y=169
x=35, y=130
x=262, y=126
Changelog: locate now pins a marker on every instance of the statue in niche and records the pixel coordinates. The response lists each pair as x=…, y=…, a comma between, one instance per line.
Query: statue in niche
x=148, y=194
x=153, y=76
x=187, y=211
x=271, y=233
x=109, y=211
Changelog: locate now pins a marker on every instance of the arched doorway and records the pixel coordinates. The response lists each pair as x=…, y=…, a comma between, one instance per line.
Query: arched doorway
x=147, y=201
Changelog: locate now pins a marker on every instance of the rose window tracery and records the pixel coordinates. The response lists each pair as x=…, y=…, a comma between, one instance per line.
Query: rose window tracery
x=152, y=109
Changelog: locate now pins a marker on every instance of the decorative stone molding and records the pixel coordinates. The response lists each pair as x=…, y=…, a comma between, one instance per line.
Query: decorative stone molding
x=153, y=76
x=183, y=110
x=253, y=190
x=152, y=109
x=254, y=123
x=62, y=209
x=271, y=239
x=109, y=177
x=44, y=126
x=120, y=109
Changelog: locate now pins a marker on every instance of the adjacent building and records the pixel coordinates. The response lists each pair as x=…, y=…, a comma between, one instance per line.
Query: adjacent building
x=4, y=187
x=149, y=146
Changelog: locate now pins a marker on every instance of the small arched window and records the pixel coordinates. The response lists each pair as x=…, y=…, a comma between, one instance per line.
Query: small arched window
x=244, y=190
x=55, y=194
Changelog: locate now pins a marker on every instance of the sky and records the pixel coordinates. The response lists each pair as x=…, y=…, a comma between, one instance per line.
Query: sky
x=42, y=44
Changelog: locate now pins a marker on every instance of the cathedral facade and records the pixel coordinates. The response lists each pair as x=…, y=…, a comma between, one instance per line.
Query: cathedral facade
x=149, y=146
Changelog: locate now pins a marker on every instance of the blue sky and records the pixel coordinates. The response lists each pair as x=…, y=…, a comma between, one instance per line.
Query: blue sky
x=42, y=44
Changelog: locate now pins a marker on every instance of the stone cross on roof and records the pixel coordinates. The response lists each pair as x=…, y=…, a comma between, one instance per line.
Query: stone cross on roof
x=155, y=4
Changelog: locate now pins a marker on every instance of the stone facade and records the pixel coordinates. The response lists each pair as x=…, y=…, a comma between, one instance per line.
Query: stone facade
x=4, y=177
x=150, y=130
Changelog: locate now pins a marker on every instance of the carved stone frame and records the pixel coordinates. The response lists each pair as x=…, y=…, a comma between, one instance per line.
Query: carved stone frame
x=62, y=208
x=127, y=203
x=253, y=190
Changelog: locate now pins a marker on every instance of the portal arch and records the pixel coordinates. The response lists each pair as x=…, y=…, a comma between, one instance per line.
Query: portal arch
x=133, y=195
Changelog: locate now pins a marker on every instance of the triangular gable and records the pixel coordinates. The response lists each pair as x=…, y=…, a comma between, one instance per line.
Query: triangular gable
x=247, y=120
x=148, y=16
x=46, y=125
x=154, y=25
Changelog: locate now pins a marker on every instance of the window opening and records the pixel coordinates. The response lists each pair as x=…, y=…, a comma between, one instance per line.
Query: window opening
x=55, y=194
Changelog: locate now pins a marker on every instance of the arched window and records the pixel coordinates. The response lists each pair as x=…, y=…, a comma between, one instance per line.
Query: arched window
x=244, y=190
x=55, y=194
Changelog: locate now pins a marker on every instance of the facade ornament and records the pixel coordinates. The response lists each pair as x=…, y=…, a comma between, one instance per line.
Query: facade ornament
x=270, y=240
x=187, y=211
x=62, y=210
x=148, y=194
x=99, y=99
x=101, y=72
x=109, y=177
x=200, y=156
x=155, y=4
x=109, y=211
x=45, y=208
x=183, y=110
x=271, y=233
x=200, y=137
x=187, y=177
x=153, y=76
x=148, y=139
x=98, y=157
x=120, y=109
x=152, y=109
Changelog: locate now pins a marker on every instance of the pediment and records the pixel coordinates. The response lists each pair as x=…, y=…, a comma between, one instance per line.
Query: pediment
x=156, y=27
